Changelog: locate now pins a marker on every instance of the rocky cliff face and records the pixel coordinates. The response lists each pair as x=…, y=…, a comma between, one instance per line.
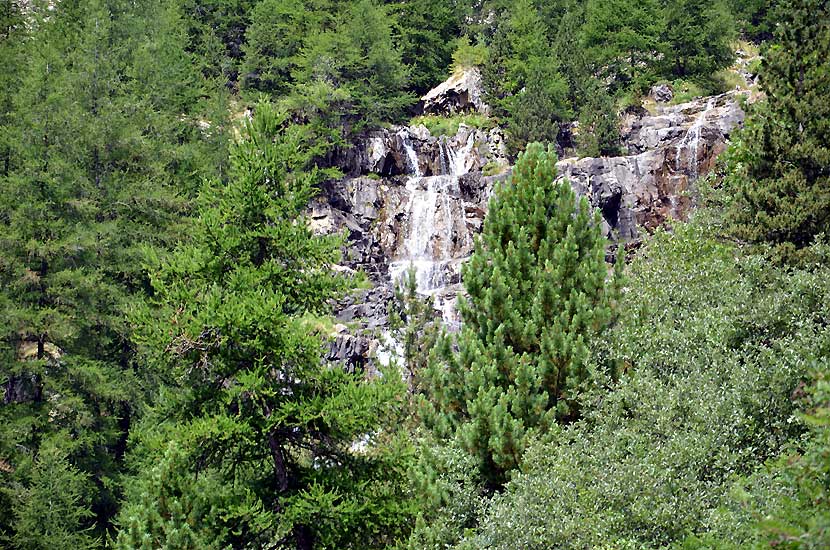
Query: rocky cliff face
x=410, y=198
x=667, y=152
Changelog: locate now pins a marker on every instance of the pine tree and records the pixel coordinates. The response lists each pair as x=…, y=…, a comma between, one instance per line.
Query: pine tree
x=780, y=167
x=413, y=323
x=60, y=312
x=12, y=35
x=235, y=331
x=216, y=29
x=599, y=131
x=169, y=507
x=538, y=296
x=755, y=18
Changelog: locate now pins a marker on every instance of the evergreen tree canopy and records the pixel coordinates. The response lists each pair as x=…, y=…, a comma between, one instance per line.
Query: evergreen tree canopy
x=428, y=33
x=780, y=168
x=104, y=140
x=274, y=41
x=623, y=38
x=698, y=37
x=524, y=83
x=538, y=295
x=236, y=333
x=359, y=59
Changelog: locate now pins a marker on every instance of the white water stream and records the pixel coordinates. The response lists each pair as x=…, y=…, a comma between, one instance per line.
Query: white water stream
x=436, y=227
x=691, y=142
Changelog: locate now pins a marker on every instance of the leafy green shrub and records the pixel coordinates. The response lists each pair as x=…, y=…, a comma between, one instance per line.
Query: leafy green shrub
x=686, y=90
x=754, y=66
x=710, y=347
x=448, y=125
x=493, y=168
x=726, y=80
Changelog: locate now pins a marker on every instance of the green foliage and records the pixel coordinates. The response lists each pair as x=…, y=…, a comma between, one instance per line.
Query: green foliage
x=53, y=511
x=448, y=125
x=274, y=41
x=428, y=29
x=755, y=18
x=452, y=493
x=105, y=140
x=537, y=299
x=784, y=505
x=623, y=39
x=523, y=81
x=803, y=519
x=599, y=132
x=12, y=35
x=778, y=171
x=467, y=55
x=537, y=110
x=168, y=506
x=230, y=332
x=414, y=326
x=712, y=346
x=698, y=37
x=216, y=31
x=358, y=61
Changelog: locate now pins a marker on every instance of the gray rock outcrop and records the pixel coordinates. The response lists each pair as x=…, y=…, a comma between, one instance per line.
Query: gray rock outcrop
x=410, y=198
x=460, y=93
x=668, y=152
x=661, y=93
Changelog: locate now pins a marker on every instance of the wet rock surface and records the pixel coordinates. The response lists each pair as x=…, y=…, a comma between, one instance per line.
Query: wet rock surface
x=668, y=152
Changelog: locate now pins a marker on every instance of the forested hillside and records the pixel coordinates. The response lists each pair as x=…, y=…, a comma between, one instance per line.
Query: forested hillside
x=206, y=204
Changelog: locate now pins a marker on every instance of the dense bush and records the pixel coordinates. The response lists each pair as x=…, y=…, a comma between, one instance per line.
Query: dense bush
x=711, y=346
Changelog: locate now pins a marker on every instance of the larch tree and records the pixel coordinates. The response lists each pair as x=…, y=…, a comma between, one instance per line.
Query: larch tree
x=538, y=295
x=235, y=333
x=779, y=169
x=102, y=141
x=525, y=85
x=698, y=37
x=623, y=39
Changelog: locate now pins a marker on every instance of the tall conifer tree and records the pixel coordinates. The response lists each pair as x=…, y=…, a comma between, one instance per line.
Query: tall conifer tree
x=99, y=149
x=780, y=168
x=235, y=334
x=538, y=296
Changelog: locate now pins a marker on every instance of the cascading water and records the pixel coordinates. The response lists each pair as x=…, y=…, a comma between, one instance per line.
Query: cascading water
x=436, y=226
x=691, y=142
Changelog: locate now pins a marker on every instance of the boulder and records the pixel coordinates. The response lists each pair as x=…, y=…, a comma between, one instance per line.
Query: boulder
x=460, y=93
x=662, y=93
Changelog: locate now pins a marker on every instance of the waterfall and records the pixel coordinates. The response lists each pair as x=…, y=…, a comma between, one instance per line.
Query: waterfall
x=436, y=224
x=411, y=156
x=691, y=141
